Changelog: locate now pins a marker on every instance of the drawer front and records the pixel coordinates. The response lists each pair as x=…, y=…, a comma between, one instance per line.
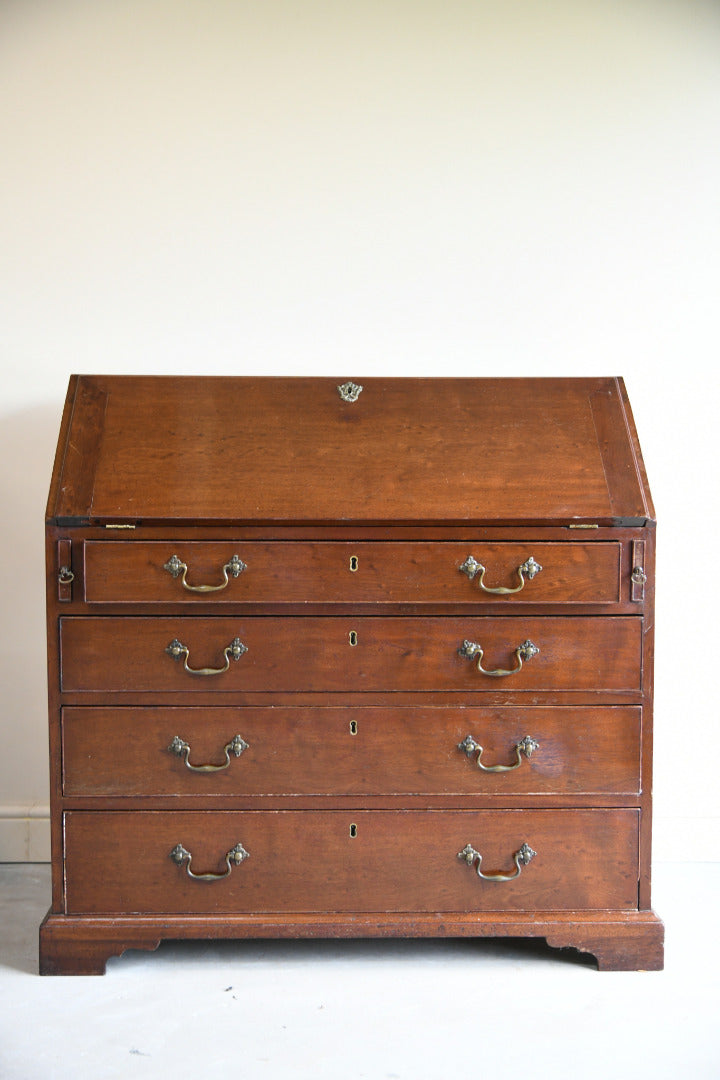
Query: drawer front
x=312, y=861
x=111, y=654
x=351, y=751
x=277, y=572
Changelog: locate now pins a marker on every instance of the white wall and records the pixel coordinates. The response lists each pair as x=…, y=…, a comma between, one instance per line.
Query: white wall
x=355, y=188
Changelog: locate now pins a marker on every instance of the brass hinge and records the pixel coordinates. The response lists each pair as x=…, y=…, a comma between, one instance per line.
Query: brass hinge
x=583, y=526
x=119, y=526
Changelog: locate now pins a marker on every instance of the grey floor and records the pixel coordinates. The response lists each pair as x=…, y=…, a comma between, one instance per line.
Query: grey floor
x=383, y=1010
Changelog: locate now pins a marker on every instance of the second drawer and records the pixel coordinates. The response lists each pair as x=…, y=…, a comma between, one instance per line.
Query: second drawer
x=347, y=751
x=208, y=655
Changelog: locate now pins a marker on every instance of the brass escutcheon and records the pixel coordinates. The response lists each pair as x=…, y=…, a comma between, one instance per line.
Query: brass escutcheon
x=349, y=391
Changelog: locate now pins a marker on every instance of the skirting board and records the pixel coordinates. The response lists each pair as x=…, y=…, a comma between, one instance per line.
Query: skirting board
x=25, y=836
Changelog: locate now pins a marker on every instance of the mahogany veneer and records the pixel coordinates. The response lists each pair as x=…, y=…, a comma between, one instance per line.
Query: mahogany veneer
x=284, y=698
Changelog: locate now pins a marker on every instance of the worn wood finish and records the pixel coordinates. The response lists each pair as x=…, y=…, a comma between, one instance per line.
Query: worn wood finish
x=307, y=862
x=619, y=941
x=351, y=751
x=350, y=573
x=410, y=479
x=408, y=450
x=127, y=654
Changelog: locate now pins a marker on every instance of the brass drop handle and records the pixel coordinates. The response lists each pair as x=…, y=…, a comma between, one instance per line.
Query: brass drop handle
x=521, y=858
x=236, y=746
x=526, y=571
x=471, y=651
x=526, y=746
x=175, y=567
x=234, y=857
x=177, y=650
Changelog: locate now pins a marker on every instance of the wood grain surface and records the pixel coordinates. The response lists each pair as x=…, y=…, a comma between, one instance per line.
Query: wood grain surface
x=351, y=751
x=302, y=861
x=408, y=450
x=307, y=654
x=352, y=793
x=350, y=573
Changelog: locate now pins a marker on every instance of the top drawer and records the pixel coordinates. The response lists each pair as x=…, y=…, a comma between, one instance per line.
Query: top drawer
x=328, y=572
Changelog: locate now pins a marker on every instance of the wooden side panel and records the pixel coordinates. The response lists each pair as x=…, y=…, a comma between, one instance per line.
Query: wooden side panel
x=61, y=448
x=77, y=479
x=300, y=861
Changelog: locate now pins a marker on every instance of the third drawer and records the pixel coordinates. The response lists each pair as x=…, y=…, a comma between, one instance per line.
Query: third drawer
x=276, y=750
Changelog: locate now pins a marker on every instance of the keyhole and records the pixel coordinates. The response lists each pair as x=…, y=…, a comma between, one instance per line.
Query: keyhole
x=353, y=831
x=352, y=637
x=353, y=563
x=353, y=727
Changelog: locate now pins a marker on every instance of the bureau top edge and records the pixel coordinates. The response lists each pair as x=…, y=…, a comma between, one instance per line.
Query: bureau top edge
x=574, y=530
x=405, y=452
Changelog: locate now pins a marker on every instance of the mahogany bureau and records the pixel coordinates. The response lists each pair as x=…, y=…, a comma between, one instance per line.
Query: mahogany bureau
x=349, y=659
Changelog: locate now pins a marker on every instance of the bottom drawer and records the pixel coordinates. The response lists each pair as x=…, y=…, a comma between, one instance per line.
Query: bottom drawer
x=350, y=861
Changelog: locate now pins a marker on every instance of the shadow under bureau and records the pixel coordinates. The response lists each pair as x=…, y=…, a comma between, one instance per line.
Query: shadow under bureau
x=349, y=659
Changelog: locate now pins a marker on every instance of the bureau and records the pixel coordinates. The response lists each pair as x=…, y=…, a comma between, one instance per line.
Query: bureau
x=349, y=659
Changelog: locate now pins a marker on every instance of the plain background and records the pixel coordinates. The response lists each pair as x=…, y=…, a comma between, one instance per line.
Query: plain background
x=362, y=188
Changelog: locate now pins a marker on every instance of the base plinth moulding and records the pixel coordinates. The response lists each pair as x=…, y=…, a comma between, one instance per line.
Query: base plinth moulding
x=619, y=941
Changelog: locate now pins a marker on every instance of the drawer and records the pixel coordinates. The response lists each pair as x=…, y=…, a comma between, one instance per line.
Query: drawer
x=112, y=654
x=354, y=861
x=276, y=572
x=351, y=751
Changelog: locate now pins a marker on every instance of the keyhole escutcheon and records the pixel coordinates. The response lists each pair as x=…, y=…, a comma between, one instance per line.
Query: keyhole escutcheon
x=352, y=637
x=353, y=564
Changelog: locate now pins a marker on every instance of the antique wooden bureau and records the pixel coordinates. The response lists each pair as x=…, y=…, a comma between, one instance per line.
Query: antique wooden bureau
x=335, y=659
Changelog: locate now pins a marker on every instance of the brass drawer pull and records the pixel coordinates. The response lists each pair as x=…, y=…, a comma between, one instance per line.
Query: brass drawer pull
x=521, y=858
x=175, y=567
x=470, y=650
x=235, y=649
x=235, y=746
x=526, y=746
x=526, y=570
x=234, y=857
